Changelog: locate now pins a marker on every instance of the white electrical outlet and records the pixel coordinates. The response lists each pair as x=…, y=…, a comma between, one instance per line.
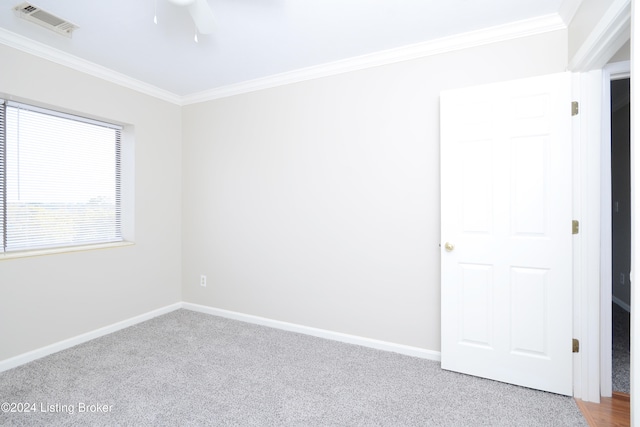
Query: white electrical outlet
x=203, y=281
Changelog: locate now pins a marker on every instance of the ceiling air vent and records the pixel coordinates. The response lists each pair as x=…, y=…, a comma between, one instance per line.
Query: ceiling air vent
x=35, y=14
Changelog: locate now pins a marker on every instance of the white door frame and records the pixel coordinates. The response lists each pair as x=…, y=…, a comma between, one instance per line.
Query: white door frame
x=587, y=137
x=635, y=213
x=607, y=37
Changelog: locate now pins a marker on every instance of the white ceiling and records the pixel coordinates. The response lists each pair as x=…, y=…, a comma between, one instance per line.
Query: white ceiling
x=254, y=38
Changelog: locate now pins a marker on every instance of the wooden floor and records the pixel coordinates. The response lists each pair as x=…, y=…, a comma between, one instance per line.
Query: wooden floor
x=611, y=411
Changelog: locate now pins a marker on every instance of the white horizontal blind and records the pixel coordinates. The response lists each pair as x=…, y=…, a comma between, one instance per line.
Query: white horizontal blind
x=3, y=223
x=60, y=180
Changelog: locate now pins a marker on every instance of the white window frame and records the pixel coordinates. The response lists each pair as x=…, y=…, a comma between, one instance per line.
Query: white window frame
x=126, y=198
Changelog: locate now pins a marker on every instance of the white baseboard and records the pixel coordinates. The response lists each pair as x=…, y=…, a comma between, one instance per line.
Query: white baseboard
x=321, y=333
x=21, y=359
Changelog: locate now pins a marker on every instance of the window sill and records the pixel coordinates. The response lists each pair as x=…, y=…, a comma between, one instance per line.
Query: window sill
x=52, y=251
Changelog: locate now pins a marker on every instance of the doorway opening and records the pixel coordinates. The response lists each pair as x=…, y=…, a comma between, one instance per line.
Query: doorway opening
x=620, y=235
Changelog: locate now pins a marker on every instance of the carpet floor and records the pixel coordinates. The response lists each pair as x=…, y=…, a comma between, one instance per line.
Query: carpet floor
x=620, y=352
x=189, y=368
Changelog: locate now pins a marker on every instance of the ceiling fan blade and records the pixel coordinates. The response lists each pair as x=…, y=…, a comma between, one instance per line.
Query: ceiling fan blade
x=202, y=16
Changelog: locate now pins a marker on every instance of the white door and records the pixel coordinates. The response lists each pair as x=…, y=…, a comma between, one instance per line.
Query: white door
x=506, y=257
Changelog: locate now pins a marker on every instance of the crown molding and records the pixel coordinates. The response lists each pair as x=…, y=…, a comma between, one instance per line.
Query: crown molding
x=500, y=33
x=568, y=10
x=43, y=51
x=610, y=34
x=514, y=30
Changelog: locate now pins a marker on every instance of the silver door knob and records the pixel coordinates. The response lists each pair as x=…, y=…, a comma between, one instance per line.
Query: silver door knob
x=448, y=247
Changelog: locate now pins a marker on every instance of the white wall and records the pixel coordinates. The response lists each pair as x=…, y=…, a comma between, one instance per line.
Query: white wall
x=585, y=20
x=624, y=54
x=317, y=203
x=50, y=298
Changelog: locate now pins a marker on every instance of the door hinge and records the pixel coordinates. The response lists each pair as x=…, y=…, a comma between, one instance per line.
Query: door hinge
x=576, y=346
x=575, y=108
x=575, y=226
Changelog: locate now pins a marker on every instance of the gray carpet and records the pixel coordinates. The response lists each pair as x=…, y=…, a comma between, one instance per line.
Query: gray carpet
x=620, y=352
x=188, y=368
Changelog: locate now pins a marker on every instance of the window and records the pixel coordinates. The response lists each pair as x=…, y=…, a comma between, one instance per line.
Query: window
x=59, y=179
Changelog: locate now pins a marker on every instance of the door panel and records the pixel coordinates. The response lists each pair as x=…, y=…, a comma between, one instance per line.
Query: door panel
x=506, y=209
x=476, y=299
